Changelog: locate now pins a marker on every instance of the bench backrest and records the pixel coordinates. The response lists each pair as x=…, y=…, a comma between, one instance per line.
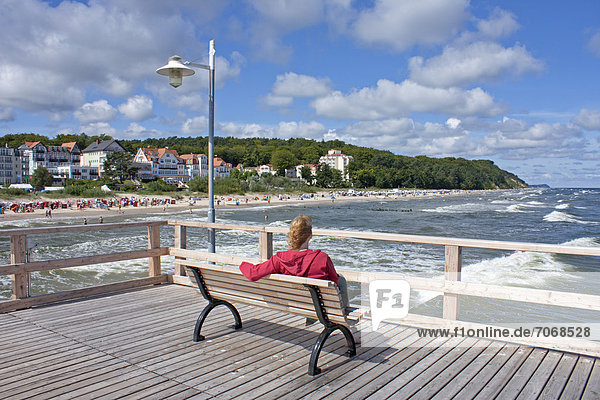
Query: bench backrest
x=279, y=292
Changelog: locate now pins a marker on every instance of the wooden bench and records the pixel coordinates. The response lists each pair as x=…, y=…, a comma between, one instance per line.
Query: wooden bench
x=307, y=297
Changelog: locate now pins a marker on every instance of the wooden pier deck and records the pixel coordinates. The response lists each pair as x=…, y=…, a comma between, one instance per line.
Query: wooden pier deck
x=137, y=344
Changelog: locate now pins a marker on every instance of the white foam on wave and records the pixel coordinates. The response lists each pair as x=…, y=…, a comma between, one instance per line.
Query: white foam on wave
x=514, y=208
x=517, y=269
x=559, y=216
x=459, y=208
x=583, y=242
x=562, y=206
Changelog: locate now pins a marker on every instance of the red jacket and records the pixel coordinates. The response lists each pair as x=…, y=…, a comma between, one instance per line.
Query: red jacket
x=306, y=263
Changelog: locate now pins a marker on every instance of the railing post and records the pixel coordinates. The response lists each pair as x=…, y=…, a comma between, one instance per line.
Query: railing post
x=154, y=243
x=265, y=245
x=18, y=250
x=453, y=268
x=180, y=243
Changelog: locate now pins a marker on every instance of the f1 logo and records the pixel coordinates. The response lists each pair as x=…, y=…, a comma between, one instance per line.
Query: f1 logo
x=389, y=299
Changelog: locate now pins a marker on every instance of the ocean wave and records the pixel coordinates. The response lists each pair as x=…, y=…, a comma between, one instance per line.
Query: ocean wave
x=459, y=208
x=562, y=206
x=559, y=216
x=515, y=208
x=584, y=242
x=517, y=269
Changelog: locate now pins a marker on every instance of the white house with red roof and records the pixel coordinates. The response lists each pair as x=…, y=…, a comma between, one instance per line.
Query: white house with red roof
x=195, y=164
x=162, y=163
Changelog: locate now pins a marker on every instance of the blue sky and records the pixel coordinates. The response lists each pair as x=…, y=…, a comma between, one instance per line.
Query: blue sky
x=515, y=82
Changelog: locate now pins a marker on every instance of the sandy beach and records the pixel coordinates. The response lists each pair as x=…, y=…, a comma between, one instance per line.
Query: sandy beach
x=164, y=203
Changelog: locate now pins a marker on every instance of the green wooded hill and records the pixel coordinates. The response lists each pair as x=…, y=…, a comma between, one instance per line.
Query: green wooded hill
x=371, y=167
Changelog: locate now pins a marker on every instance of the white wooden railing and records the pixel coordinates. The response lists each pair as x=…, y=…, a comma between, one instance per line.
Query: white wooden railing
x=451, y=286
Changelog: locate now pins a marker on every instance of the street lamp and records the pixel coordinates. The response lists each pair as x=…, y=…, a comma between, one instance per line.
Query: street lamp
x=176, y=69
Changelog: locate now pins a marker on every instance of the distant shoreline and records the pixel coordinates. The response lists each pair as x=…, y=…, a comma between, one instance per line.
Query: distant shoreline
x=192, y=203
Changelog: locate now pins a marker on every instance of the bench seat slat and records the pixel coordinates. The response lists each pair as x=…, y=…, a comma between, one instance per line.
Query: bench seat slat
x=272, y=298
x=293, y=289
x=278, y=307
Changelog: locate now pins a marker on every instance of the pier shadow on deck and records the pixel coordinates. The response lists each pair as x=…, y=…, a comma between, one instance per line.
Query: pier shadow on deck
x=137, y=344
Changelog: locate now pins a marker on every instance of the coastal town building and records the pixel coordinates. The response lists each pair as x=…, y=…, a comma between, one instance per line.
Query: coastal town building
x=96, y=153
x=222, y=169
x=162, y=163
x=12, y=166
x=78, y=172
x=195, y=164
x=336, y=160
x=266, y=169
x=49, y=157
x=313, y=171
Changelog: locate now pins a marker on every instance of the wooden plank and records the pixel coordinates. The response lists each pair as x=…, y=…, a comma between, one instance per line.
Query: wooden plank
x=408, y=383
x=12, y=305
x=452, y=270
x=330, y=294
x=18, y=248
x=80, y=261
x=154, y=243
x=536, y=383
x=331, y=308
x=504, y=374
x=560, y=376
x=450, y=390
x=180, y=242
x=523, y=374
x=394, y=237
x=578, y=379
x=77, y=228
x=592, y=389
x=376, y=349
x=214, y=257
x=483, y=376
x=441, y=378
x=265, y=245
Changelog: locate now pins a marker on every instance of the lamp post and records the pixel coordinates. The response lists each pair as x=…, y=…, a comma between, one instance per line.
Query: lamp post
x=176, y=69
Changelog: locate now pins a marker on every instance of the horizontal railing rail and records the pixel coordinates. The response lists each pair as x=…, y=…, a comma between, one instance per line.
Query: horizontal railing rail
x=20, y=268
x=451, y=286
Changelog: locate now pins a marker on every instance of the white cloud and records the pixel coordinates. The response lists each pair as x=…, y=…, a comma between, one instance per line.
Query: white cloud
x=296, y=85
x=245, y=130
x=278, y=101
x=195, y=126
x=7, y=114
x=50, y=56
x=137, y=108
x=477, y=62
x=594, y=44
x=291, y=85
x=292, y=129
x=500, y=24
x=98, y=111
x=588, y=119
x=400, y=24
x=390, y=100
x=537, y=140
x=137, y=131
x=98, y=128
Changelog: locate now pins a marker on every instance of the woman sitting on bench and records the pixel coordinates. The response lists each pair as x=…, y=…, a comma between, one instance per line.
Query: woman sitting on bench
x=299, y=260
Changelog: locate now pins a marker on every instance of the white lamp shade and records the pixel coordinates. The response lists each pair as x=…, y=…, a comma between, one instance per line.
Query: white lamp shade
x=175, y=70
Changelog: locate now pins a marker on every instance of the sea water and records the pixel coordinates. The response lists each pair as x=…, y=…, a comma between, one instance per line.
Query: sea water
x=553, y=216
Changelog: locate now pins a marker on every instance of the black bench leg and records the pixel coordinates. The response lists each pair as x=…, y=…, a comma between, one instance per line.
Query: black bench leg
x=314, y=357
x=212, y=304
